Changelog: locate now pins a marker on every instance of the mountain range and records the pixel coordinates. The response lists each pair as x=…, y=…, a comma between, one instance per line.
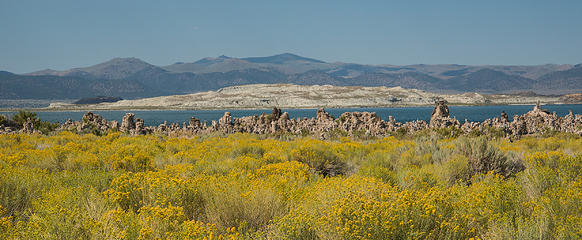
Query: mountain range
x=133, y=78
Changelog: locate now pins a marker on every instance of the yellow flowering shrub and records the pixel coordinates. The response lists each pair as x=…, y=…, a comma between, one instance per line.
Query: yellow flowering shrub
x=244, y=186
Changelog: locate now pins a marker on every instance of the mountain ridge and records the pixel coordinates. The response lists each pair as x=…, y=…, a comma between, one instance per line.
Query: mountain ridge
x=135, y=78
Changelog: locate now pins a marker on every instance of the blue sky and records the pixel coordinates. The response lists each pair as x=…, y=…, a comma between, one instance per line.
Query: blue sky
x=65, y=34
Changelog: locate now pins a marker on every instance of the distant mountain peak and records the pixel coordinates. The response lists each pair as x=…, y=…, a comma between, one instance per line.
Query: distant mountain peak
x=212, y=60
x=116, y=68
x=6, y=73
x=288, y=55
x=281, y=59
x=47, y=71
x=125, y=60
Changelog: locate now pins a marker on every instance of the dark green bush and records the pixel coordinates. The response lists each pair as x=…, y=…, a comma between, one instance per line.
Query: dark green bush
x=21, y=117
x=400, y=133
x=321, y=160
x=45, y=127
x=495, y=132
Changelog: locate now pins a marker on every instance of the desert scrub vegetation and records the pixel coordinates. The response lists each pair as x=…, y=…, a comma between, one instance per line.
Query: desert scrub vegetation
x=17, y=120
x=242, y=186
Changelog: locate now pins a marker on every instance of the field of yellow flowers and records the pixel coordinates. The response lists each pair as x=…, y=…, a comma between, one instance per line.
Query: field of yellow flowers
x=240, y=186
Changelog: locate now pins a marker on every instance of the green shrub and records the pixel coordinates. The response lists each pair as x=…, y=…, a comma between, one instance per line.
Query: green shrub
x=495, y=132
x=448, y=132
x=3, y=120
x=483, y=157
x=456, y=169
x=429, y=145
x=255, y=151
x=337, y=133
x=21, y=117
x=548, y=132
x=320, y=159
x=400, y=133
x=475, y=133
x=45, y=127
x=193, y=204
x=380, y=165
x=245, y=209
x=15, y=195
x=382, y=173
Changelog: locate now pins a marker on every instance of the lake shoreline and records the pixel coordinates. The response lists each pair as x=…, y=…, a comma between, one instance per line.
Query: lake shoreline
x=87, y=108
x=400, y=114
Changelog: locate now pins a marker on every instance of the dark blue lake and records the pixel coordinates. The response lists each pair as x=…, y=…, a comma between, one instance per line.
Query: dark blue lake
x=402, y=114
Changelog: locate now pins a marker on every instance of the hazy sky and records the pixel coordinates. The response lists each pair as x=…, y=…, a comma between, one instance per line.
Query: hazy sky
x=64, y=34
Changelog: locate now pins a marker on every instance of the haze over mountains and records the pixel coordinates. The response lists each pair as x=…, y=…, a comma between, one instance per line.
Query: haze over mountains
x=134, y=78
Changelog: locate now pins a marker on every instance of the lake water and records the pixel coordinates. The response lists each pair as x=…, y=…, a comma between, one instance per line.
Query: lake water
x=402, y=114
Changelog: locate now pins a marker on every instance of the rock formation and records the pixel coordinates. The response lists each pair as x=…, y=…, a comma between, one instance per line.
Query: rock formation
x=504, y=116
x=225, y=123
x=90, y=122
x=127, y=123
x=362, y=123
x=440, y=116
x=276, y=113
x=140, y=128
x=324, y=125
x=325, y=121
x=28, y=126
